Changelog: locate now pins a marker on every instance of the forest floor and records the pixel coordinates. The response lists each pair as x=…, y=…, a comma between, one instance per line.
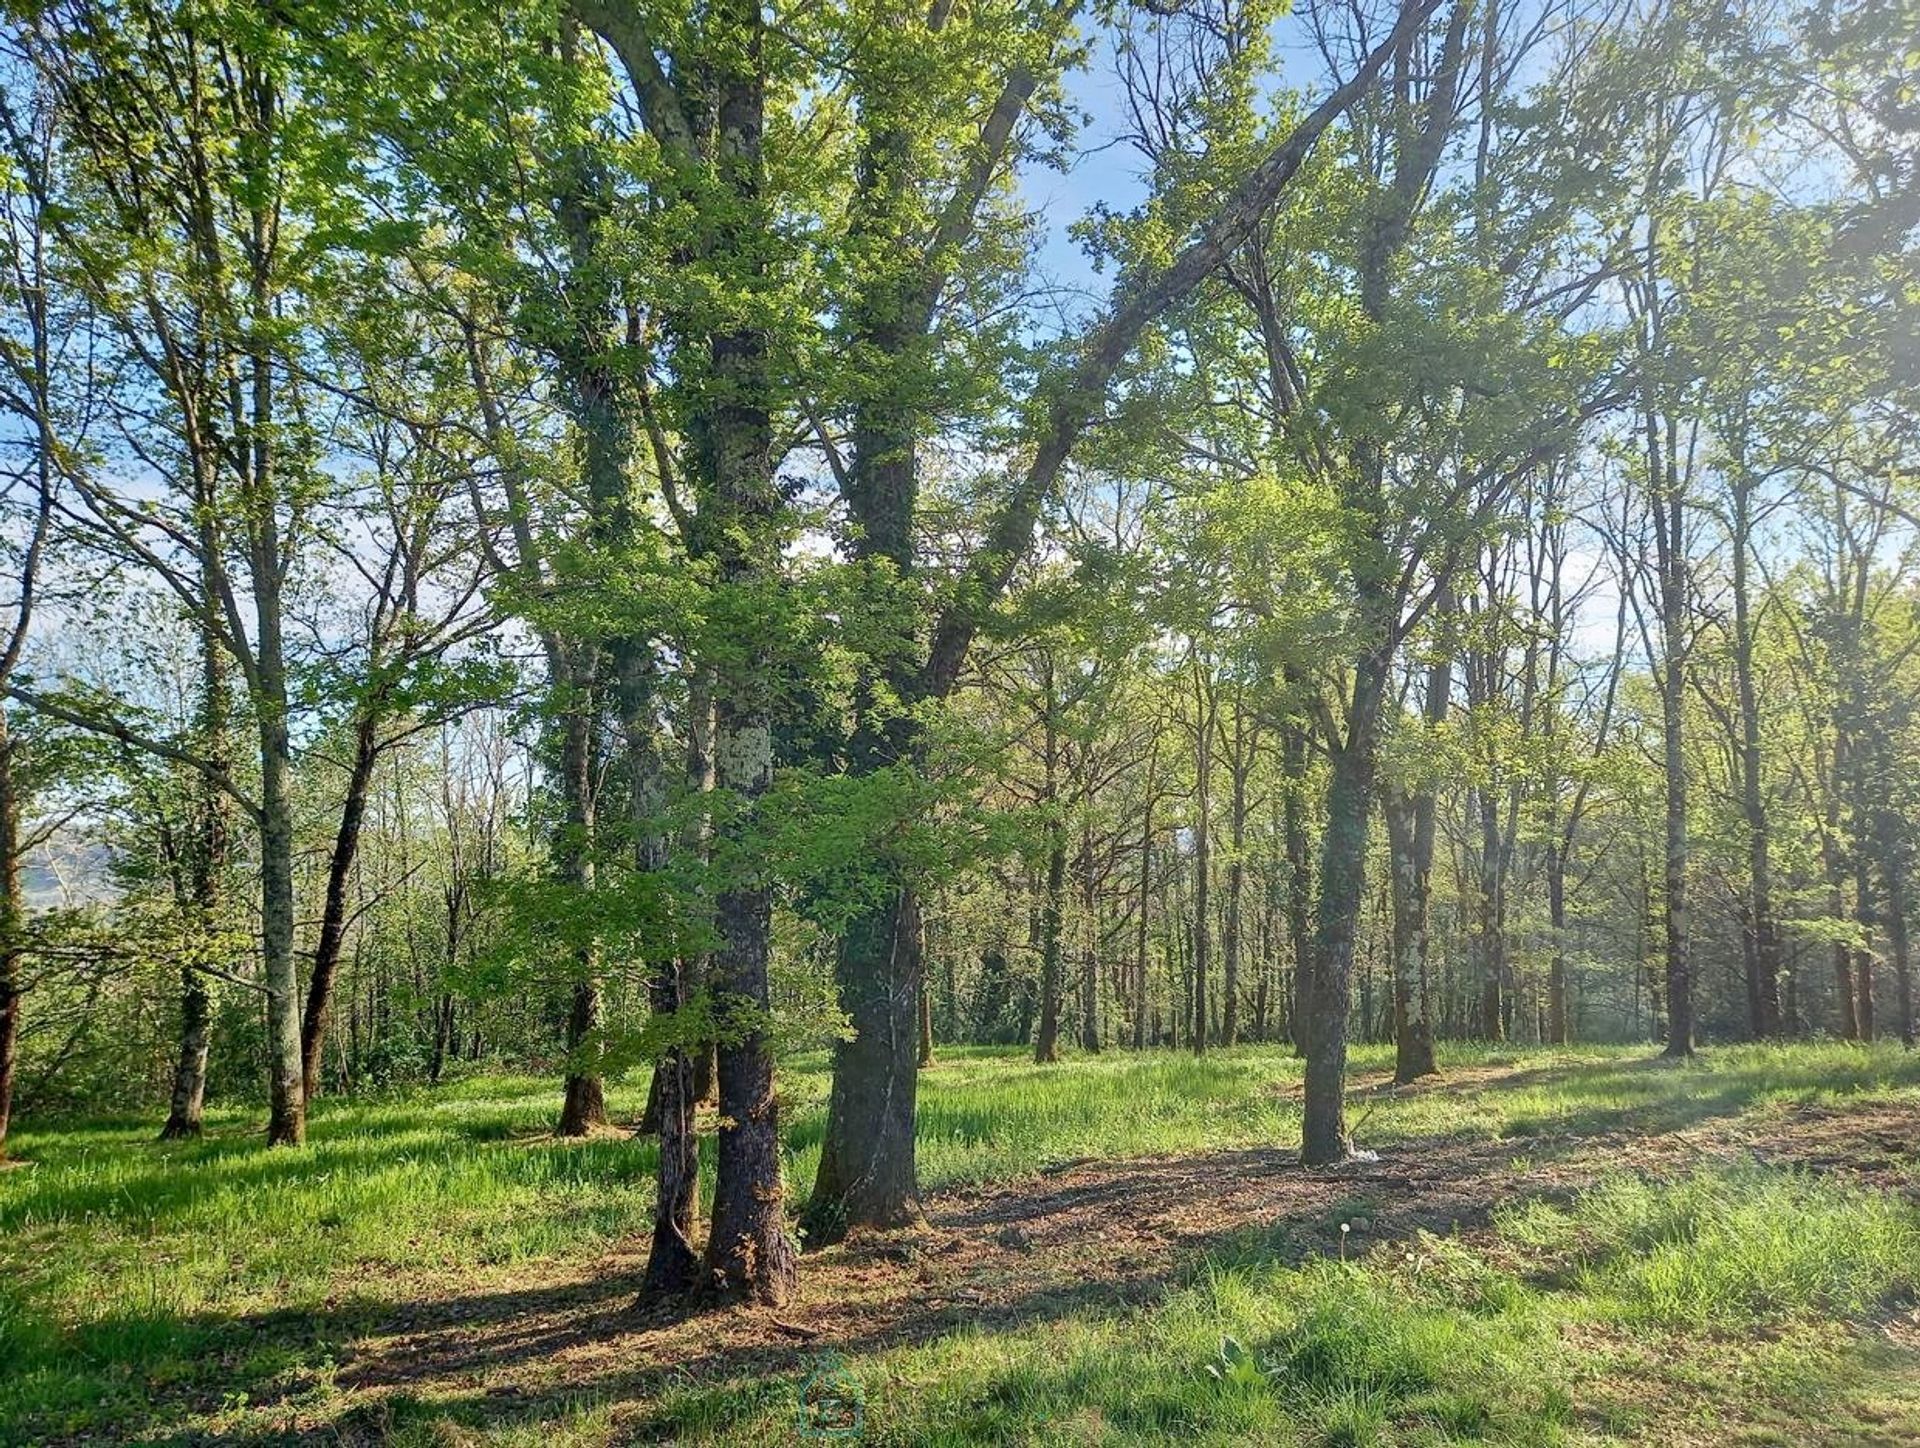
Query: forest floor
x=1577, y=1247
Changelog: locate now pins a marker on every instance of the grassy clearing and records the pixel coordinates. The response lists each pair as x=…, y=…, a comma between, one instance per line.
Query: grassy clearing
x=1571, y=1325
x=165, y=1292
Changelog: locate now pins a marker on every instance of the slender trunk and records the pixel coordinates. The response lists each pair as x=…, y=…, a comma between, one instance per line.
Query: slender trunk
x=1090, y=944
x=1842, y=965
x=1670, y=532
x=1863, y=952
x=333, y=919
x=1558, y=1021
x=1236, y=890
x=1202, y=869
x=1299, y=881
x=1896, y=922
x=1141, y=902
x=1410, y=834
x=584, y=1104
x=1046, y=1044
x=926, y=1023
x=287, y=1120
x=12, y=919
x=1763, y=990
x=206, y=886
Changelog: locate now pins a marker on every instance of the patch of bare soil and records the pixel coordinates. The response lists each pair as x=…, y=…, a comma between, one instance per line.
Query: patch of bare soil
x=1099, y=1233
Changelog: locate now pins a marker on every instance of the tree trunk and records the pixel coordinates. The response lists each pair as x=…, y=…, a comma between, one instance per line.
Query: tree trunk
x=1300, y=892
x=287, y=1118
x=333, y=918
x=867, y=1176
x=1764, y=958
x=1410, y=834
x=1046, y=1043
x=1090, y=952
x=1236, y=887
x=1863, y=952
x=1896, y=921
x=1412, y=1026
x=1202, y=864
x=1140, y=904
x=584, y=1104
x=926, y=1022
x=12, y=918
x=207, y=865
x=1670, y=532
x=1558, y=1022
x=749, y=1254
x=1343, y=885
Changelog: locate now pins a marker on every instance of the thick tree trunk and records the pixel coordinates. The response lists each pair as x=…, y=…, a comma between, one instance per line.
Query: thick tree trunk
x=1343, y=886
x=867, y=1163
x=749, y=1254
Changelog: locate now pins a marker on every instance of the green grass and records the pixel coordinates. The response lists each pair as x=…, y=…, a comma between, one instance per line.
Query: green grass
x=158, y=1293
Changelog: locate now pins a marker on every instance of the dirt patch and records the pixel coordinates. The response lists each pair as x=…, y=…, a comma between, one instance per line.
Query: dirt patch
x=1106, y=1234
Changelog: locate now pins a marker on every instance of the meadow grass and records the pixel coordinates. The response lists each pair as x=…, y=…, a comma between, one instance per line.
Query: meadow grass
x=203, y=1274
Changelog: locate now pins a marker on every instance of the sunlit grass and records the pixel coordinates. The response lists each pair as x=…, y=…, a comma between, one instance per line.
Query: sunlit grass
x=134, y=1273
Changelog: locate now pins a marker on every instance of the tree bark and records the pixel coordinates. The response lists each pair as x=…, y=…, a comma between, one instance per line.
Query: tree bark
x=584, y=1104
x=12, y=920
x=866, y=1177
x=333, y=918
x=206, y=889
x=1300, y=892
x=1343, y=884
x=1202, y=857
